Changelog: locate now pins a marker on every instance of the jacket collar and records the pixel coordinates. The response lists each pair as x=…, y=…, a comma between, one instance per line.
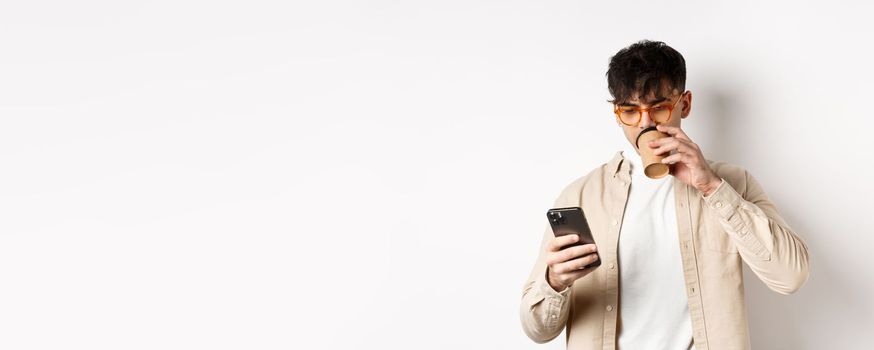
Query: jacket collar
x=617, y=163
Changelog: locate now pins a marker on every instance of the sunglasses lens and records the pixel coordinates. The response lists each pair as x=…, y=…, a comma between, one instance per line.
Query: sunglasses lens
x=660, y=114
x=631, y=116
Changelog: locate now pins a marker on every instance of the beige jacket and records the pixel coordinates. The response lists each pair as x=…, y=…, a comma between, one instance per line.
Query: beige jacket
x=735, y=224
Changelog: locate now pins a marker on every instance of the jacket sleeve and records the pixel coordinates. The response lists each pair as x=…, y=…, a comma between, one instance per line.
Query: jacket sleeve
x=544, y=312
x=765, y=242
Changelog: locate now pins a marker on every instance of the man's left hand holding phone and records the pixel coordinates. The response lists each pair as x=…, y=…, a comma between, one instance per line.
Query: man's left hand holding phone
x=571, y=255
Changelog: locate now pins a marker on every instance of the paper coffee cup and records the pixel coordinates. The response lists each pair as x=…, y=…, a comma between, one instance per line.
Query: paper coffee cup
x=652, y=164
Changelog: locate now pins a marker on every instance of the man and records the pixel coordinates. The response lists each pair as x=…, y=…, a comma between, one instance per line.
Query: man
x=671, y=248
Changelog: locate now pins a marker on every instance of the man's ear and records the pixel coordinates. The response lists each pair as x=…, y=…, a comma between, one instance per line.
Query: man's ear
x=686, y=104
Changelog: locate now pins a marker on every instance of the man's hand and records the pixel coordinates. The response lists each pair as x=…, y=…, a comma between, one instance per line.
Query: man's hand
x=687, y=164
x=564, y=266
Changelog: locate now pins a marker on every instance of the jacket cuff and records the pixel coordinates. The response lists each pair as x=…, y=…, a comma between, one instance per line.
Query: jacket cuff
x=555, y=303
x=728, y=206
x=724, y=201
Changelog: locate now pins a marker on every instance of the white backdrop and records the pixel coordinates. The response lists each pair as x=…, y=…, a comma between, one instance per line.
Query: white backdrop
x=349, y=174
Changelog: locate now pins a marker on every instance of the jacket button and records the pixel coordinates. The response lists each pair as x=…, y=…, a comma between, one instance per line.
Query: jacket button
x=609, y=307
x=611, y=266
x=719, y=204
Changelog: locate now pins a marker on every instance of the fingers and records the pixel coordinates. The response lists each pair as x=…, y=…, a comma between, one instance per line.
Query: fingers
x=567, y=265
x=677, y=157
x=574, y=252
x=572, y=266
x=677, y=138
x=561, y=241
x=669, y=143
x=567, y=279
x=674, y=131
x=570, y=253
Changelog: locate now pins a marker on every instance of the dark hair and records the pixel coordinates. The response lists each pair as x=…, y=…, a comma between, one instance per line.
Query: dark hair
x=643, y=67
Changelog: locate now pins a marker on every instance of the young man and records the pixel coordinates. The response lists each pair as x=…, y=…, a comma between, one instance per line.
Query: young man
x=671, y=248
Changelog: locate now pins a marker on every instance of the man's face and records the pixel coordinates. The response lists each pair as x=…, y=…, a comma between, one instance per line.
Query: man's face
x=666, y=97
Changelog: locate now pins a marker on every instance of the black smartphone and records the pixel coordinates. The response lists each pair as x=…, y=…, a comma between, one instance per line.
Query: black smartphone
x=571, y=220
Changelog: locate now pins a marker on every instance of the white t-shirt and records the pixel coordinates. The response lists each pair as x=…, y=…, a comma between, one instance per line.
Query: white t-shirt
x=653, y=309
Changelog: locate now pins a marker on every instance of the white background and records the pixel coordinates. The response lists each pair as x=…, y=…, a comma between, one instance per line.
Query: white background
x=350, y=174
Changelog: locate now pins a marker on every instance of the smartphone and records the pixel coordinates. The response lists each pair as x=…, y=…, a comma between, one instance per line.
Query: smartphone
x=571, y=220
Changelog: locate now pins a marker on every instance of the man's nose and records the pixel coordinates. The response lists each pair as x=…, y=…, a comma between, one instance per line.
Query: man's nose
x=645, y=120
